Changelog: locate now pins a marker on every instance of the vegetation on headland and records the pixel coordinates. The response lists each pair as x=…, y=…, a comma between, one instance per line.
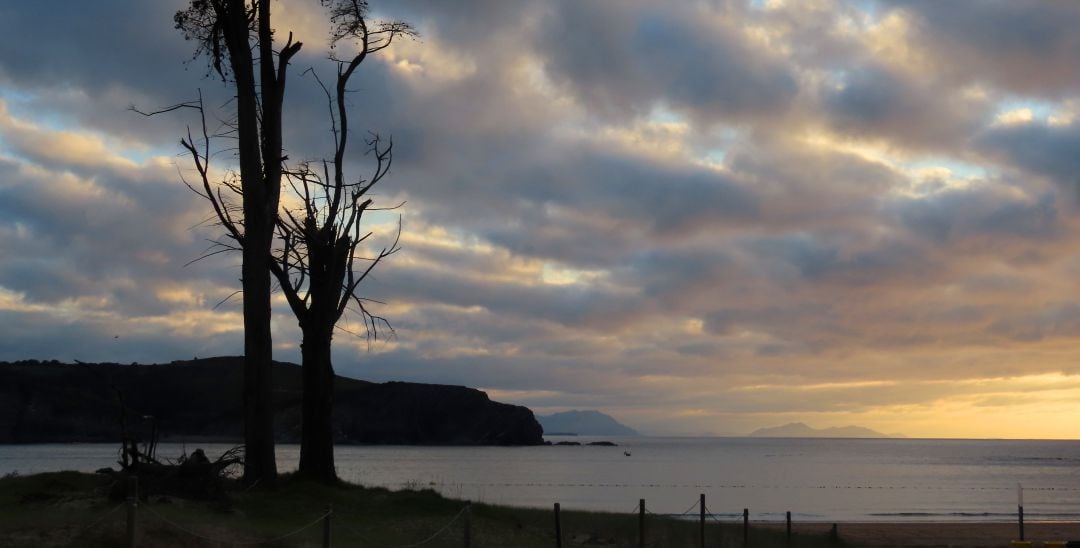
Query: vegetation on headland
x=74, y=509
x=49, y=402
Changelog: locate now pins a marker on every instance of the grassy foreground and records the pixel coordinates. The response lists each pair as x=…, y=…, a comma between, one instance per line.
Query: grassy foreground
x=72, y=509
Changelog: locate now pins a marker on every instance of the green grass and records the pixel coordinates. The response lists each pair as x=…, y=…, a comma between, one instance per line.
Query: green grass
x=55, y=509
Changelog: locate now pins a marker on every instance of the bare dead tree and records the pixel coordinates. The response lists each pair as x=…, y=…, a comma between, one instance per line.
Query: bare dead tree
x=317, y=260
x=237, y=37
x=319, y=263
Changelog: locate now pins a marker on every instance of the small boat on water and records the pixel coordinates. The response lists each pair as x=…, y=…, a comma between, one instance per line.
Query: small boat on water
x=626, y=453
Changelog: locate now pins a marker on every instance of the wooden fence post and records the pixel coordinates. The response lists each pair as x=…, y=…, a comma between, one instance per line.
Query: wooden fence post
x=1020, y=508
x=326, y=526
x=558, y=527
x=641, y=523
x=701, y=508
x=468, y=524
x=789, y=527
x=133, y=505
x=746, y=527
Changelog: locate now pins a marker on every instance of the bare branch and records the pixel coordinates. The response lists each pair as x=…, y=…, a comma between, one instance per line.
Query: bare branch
x=178, y=106
x=225, y=249
x=226, y=299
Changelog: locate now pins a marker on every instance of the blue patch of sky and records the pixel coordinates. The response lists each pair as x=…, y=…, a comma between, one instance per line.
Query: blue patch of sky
x=870, y=7
x=662, y=114
x=142, y=156
x=15, y=96
x=385, y=217
x=716, y=152
x=1040, y=110
x=24, y=106
x=712, y=149
x=715, y=155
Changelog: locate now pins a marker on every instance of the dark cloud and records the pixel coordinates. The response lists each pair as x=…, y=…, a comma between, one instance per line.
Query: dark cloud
x=627, y=62
x=585, y=206
x=1039, y=148
x=91, y=55
x=577, y=306
x=679, y=275
x=880, y=102
x=803, y=188
x=980, y=212
x=468, y=23
x=90, y=69
x=1046, y=321
x=835, y=259
x=74, y=236
x=1023, y=47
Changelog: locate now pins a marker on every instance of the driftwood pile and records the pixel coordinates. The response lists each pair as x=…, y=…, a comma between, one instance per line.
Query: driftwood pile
x=189, y=476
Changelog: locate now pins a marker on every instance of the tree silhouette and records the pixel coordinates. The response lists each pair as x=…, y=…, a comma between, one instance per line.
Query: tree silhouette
x=319, y=267
x=238, y=38
x=317, y=259
x=319, y=264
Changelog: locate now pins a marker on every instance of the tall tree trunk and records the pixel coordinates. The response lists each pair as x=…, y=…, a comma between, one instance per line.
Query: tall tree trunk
x=259, y=94
x=259, y=461
x=317, y=441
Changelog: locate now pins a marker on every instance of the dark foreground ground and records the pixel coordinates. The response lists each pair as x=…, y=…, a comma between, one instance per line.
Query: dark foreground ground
x=73, y=509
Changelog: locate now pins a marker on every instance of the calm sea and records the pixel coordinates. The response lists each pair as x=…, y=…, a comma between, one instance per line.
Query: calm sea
x=815, y=479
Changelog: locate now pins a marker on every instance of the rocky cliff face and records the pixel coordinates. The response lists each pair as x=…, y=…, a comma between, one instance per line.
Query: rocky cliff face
x=409, y=413
x=201, y=399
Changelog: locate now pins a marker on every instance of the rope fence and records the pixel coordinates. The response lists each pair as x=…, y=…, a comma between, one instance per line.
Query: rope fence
x=367, y=543
x=322, y=519
x=698, y=511
x=231, y=542
x=96, y=521
x=440, y=531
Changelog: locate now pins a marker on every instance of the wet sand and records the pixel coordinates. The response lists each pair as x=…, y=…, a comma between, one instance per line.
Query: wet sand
x=965, y=535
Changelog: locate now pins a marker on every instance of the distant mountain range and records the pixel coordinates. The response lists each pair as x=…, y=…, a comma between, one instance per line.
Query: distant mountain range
x=583, y=423
x=802, y=430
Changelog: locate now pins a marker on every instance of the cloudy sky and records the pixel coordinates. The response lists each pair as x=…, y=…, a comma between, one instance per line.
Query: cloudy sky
x=705, y=216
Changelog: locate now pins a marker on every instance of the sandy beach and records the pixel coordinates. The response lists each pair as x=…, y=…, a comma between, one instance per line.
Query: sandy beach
x=958, y=535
